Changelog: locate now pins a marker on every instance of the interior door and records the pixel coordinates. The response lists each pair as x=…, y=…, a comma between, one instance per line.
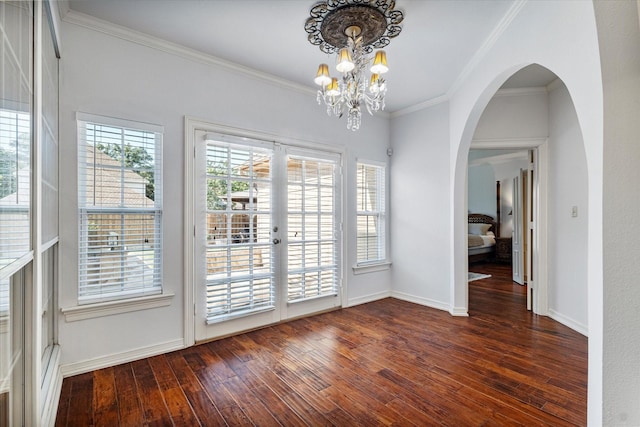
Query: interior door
x=530, y=229
x=517, y=240
x=267, y=234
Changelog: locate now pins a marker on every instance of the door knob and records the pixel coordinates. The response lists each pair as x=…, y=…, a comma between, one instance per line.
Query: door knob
x=276, y=241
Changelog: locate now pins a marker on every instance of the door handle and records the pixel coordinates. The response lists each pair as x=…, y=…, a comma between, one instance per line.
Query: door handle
x=276, y=241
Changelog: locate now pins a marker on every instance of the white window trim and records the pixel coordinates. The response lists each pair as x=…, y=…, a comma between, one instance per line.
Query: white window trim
x=140, y=301
x=102, y=309
x=371, y=267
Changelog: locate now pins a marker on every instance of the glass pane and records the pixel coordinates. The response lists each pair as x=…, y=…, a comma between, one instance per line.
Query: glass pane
x=370, y=207
x=49, y=148
x=239, y=252
x=311, y=248
x=11, y=349
x=119, y=255
x=120, y=166
x=48, y=286
x=15, y=130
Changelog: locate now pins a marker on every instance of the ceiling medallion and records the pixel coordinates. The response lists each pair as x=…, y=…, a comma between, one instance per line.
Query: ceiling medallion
x=353, y=29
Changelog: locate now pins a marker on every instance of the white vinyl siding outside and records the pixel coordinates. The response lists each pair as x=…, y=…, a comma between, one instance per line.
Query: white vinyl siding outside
x=120, y=209
x=371, y=217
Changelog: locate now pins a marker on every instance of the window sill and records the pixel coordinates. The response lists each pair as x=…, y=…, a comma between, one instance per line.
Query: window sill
x=91, y=311
x=371, y=268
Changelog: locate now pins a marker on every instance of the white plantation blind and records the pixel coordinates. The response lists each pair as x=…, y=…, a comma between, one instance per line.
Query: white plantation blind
x=120, y=208
x=240, y=276
x=371, y=219
x=312, y=234
x=15, y=186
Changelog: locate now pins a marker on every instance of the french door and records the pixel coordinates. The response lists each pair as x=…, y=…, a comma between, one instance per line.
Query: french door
x=267, y=235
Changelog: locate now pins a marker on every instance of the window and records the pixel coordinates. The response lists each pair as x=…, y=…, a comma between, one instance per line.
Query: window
x=371, y=219
x=120, y=208
x=15, y=183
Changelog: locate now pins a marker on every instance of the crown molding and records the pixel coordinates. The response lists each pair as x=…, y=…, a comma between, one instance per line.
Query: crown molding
x=504, y=23
x=114, y=30
x=420, y=106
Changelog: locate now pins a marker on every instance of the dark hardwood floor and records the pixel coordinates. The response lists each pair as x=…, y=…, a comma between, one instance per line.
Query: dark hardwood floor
x=389, y=362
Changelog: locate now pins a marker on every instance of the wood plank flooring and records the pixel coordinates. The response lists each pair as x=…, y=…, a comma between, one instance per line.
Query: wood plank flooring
x=389, y=362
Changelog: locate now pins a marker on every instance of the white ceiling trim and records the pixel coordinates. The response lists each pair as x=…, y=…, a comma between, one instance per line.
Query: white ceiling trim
x=421, y=106
x=90, y=22
x=507, y=143
x=504, y=23
x=499, y=159
x=521, y=91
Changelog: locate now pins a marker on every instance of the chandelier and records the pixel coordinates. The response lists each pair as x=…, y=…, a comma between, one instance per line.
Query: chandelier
x=353, y=29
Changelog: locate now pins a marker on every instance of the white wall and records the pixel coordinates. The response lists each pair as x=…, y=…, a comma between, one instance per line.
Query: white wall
x=567, y=243
x=514, y=114
x=111, y=76
x=619, y=33
x=481, y=180
x=419, y=195
x=561, y=36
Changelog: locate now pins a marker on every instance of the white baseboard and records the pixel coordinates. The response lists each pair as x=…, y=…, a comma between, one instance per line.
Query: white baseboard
x=458, y=312
x=439, y=305
x=84, y=366
x=368, y=298
x=568, y=322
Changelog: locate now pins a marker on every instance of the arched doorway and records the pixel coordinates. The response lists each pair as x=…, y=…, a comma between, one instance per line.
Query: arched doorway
x=538, y=116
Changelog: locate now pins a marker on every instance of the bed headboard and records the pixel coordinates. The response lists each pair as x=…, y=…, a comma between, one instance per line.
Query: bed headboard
x=476, y=218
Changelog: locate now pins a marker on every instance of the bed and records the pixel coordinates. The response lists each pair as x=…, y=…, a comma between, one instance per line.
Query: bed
x=482, y=238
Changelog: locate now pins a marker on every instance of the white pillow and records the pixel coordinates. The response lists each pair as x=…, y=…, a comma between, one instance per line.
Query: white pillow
x=479, y=229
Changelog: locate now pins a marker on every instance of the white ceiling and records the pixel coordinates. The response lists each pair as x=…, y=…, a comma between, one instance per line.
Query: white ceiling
x=427, y=60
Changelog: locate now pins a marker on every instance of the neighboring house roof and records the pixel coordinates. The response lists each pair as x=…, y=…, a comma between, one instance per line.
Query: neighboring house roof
x=108, y=185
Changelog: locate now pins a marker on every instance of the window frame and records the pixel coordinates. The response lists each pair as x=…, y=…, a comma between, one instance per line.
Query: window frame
x=85, y=209
x=379, y=213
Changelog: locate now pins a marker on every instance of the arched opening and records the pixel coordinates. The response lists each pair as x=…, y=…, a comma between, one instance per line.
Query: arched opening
x=531, y=110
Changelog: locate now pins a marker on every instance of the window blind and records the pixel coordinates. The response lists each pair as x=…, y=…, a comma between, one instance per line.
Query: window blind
x=312, y=235
x=120, y=209
x=240, y=275
x=371, y=220
x=15, y=186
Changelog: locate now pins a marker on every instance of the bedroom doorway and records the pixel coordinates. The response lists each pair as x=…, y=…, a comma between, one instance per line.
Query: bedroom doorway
x=504, y=185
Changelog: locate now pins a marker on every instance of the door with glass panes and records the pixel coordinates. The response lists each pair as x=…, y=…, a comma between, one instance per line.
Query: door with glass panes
x=268, y=233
